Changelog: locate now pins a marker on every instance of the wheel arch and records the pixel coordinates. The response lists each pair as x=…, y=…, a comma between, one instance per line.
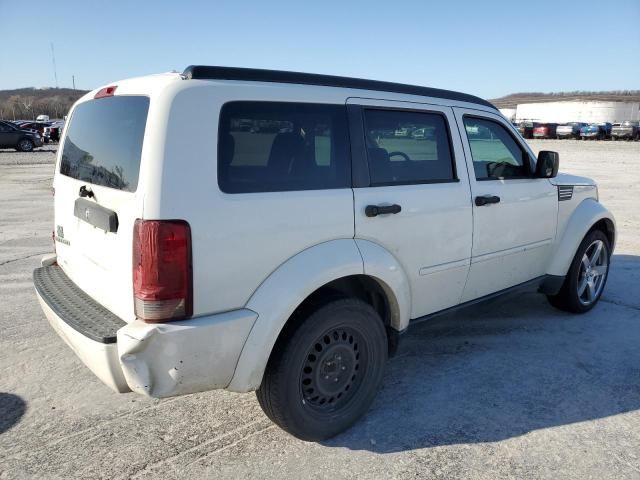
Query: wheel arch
x=588, y=215
x=25, y=137
x=306, y=281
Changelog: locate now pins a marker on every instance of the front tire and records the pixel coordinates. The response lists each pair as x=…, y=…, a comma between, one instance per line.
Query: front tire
x=324, y=374
x=587, y=275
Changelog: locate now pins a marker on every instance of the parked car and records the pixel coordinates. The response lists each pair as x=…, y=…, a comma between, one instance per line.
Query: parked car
x=402, y=132
x=35, y=126
x=242, y=281
x=545, y=130
x=626, y=130
x=569, y=130
x=423, y=134
x=526, y=129
x=52, y=132
x=597, y=131
x=22, y=140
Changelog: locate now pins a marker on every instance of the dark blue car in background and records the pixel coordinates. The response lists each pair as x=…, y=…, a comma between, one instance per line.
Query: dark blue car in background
x=597, y=131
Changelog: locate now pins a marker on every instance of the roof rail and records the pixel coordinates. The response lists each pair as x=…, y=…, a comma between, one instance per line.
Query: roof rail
x=204, y=72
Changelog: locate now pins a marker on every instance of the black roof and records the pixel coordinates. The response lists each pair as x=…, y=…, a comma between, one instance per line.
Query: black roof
x=205, y=72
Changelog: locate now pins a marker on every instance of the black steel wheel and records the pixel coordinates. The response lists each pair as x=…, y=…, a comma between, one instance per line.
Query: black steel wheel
x=325, y=370
x=330, y=375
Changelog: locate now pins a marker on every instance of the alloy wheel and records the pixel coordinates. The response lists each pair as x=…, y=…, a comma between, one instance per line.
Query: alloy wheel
x=592, y=272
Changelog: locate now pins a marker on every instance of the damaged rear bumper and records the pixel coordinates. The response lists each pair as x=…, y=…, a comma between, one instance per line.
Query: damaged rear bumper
x=157, y=360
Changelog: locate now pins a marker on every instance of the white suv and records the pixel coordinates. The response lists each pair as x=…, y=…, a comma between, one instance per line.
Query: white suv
x=264, y=230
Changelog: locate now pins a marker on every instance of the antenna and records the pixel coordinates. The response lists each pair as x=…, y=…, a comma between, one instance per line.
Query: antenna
x=73, y=79
x=53, y=58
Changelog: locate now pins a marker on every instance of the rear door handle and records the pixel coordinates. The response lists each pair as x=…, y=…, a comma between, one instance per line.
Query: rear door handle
x=487, y=200
x=375, y=210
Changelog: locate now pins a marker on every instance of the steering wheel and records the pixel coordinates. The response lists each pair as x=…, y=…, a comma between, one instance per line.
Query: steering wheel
x=401, y=154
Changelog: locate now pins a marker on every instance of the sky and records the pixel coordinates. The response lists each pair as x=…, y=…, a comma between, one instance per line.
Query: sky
x=483, y=47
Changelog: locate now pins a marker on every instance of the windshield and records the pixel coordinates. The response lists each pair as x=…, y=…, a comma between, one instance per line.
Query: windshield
x=104, y=142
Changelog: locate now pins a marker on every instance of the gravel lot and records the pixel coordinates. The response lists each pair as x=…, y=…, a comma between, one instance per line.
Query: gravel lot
x=514, y=389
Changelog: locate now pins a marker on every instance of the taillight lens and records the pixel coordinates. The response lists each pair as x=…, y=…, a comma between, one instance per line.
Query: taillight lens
x=162, y=276
x=106, y=92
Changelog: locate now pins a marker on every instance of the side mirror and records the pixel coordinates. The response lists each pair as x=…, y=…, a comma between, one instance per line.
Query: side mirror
x=547, y=164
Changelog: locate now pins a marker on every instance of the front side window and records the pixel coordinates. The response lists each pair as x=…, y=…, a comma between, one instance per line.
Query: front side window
x=278, y=146
x=407, y=147
x=496, y=154
x=103, y=144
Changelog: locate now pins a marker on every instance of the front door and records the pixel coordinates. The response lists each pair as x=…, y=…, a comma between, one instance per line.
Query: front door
x=514, y=214
x=413, y=198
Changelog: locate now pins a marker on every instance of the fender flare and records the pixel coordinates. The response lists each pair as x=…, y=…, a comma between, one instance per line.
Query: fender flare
x=381, y=265
x=291, y=283
x=585, y=216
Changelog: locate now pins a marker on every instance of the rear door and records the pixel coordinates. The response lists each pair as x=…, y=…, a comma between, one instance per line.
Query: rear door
x=412, y=195
x=514, y=214
x=98, y=198
x=283, y=186
x=5, y=135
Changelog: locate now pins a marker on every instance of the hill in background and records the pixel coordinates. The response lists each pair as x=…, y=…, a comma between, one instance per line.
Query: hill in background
x=510, y=101
x=28, y=103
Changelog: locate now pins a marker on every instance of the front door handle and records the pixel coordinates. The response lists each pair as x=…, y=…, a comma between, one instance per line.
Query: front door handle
x=487, y=200
x=375, y=210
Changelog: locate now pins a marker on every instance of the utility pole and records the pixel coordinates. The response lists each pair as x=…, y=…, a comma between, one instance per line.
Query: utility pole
x=73, y=79
x=53, y=58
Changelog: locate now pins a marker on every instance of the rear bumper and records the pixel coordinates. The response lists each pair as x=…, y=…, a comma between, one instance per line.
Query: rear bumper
x=101, y=358
x=157, y=360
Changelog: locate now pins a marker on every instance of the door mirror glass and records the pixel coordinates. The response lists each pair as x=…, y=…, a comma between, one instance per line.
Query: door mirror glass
x=547, y=164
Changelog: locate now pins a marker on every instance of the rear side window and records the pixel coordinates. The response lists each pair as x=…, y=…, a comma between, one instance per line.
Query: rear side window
x=407, y=147
x=104, y=142
x=278, y=146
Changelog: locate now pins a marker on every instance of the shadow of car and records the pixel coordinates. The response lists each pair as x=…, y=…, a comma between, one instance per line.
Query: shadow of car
x=505, y=369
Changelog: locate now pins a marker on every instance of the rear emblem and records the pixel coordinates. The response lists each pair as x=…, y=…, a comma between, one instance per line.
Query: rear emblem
x=87, y=213
x=59, y=236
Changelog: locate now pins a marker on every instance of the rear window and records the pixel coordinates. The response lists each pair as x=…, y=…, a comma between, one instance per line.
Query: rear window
x=104, y=142
x=277, y=146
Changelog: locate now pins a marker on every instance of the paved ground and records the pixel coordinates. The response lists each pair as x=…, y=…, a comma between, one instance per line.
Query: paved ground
x=511, y=390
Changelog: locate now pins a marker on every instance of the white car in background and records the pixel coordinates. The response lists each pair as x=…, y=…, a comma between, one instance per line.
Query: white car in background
x=194, y=253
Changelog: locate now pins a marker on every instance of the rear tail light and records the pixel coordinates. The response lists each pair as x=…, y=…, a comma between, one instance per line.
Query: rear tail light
x=162, y=275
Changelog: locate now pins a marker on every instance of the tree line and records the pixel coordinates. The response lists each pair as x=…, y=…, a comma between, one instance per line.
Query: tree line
x=28, y=103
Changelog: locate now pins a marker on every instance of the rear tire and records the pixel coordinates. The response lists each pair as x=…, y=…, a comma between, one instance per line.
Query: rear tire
x=324, y=374
x=25, y=145
x=587, y=275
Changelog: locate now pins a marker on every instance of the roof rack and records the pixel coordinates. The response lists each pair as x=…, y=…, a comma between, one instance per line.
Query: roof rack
x=205, y=72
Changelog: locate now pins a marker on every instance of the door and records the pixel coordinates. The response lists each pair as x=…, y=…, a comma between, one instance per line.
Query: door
x=8, y=138
x=514, y=214
x=97, y=179
x=412, y=195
